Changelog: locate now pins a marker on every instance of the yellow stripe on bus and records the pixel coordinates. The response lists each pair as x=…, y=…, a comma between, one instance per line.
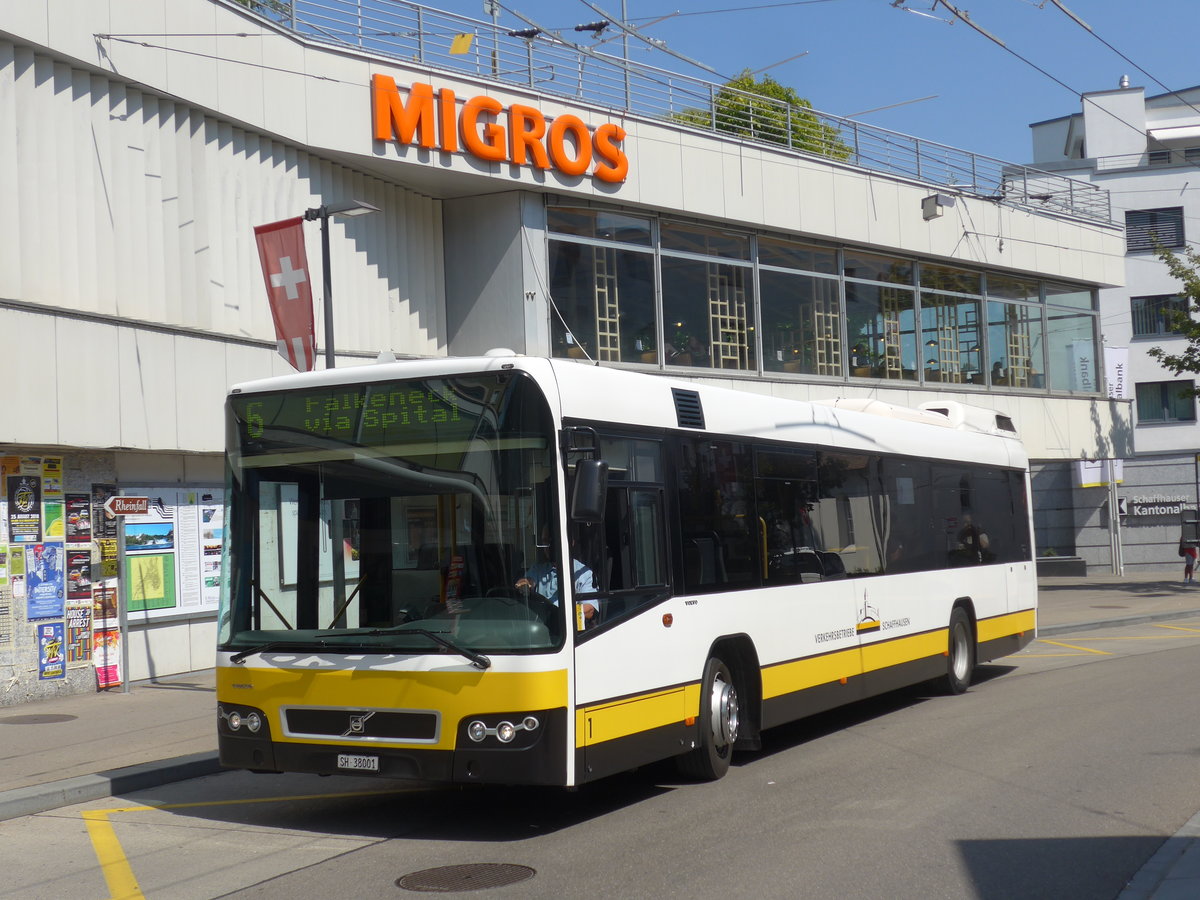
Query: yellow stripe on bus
x=1003, y=626
x=596, y=724
x=455, y=695
x=789, y=677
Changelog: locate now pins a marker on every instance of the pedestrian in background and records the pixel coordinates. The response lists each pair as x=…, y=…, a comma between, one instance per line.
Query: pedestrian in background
x=1188, y=552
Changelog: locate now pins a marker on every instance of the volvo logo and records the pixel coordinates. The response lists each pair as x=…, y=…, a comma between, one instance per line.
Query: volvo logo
x=358, y=724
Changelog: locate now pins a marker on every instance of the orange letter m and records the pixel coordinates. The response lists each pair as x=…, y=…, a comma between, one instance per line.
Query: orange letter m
x=392, y=118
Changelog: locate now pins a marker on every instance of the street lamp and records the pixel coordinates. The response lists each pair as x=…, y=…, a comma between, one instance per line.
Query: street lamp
x=346, y=208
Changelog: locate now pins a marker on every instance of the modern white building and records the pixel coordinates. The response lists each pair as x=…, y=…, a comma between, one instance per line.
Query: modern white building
x=1145, y=151
x=531, y=194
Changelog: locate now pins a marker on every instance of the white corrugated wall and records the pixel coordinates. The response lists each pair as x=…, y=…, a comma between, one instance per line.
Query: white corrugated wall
x=121, y=203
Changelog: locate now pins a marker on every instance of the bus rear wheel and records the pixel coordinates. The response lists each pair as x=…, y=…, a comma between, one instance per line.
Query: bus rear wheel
x=960, y=661
x=719, y=719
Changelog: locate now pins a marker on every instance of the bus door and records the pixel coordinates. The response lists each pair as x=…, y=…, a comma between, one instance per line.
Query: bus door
x=627, y=698
x=805, y=542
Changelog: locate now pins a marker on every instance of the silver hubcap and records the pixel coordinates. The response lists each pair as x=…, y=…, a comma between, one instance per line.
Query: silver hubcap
x=724, y=709
x=960, y=651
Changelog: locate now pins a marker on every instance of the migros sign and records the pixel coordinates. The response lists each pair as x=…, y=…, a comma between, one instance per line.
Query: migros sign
x=486, y=129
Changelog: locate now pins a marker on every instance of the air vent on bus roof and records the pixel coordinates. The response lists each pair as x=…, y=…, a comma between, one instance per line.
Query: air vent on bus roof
x=688, y=410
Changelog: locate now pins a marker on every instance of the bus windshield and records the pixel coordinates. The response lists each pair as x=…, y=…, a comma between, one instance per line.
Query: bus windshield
x=393, y=517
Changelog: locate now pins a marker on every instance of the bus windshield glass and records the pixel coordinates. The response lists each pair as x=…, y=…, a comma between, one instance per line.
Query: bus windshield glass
x=392, y=517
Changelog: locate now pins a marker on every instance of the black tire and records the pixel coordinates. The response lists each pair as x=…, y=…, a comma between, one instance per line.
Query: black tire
x=718, y=725
x=960, y=658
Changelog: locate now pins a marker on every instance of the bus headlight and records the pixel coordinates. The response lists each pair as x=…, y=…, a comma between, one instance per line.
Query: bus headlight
x=235, y=720
x=254, y=722
x=506, y=731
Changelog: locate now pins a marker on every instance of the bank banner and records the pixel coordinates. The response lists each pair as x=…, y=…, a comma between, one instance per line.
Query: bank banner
x=285, y=271
x=1116, y=371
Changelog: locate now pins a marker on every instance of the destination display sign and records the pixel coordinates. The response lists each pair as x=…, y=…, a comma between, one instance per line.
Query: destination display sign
x=364, y=414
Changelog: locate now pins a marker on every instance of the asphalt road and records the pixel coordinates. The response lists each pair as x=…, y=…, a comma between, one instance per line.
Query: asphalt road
x=1057, y=775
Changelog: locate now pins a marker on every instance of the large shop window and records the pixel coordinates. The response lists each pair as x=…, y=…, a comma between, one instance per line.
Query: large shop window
x=604, y=298
x=801, y=312
x=1071, y=350
x=1015, y=345
x=638, y=290
x=1165, y=401
x=708, y=303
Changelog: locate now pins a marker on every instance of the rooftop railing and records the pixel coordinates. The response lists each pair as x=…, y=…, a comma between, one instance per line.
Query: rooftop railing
x=585, y=71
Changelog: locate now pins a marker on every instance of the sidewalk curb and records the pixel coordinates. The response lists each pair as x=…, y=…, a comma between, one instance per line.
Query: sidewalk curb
x=28, y=801
x=1045, y=630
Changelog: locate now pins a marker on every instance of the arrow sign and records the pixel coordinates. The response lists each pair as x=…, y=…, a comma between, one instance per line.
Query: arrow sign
x=127, y=506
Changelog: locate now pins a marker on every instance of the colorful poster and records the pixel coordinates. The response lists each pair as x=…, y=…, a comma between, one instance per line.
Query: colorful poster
x=79, y=517
x=52, y=662
x=3, y=564
x=79, y=634
x=104, y=604
x=53, y=527
x=44, y=591
x=24, y=509
x=52, y=478
x=79, y=574
x=31, y=465
x=16, y=586
x=108, y=557
x=104, y=524
x=106, y=656
x=151, y=580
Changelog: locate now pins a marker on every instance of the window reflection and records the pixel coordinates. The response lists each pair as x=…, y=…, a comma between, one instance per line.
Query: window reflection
x=950, y=333
x=1071, y=342
x=822, y=311
x=605, y=300
x=708, y=314
x=880, y=324
x=1015, y=345
x=802, y=329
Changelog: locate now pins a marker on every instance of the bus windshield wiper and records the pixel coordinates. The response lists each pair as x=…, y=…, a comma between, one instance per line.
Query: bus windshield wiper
x=240, y=657
x=478, y=660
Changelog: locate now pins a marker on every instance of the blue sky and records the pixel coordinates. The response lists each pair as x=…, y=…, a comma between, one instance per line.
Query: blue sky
x=866, y=54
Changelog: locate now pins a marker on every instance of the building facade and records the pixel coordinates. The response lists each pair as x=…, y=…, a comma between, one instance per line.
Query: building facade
x=1144, y=150
x=622, y=216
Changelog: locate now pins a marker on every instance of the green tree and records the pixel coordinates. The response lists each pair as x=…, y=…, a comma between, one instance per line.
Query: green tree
x=766, y=110
x=1186, y=269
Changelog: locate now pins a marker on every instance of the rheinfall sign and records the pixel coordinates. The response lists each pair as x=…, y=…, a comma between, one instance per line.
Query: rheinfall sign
x=519, y=134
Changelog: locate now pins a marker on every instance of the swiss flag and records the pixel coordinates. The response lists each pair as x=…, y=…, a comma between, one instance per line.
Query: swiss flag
x=285, y=270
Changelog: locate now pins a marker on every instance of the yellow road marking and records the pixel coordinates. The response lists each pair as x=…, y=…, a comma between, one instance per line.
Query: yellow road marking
x=118, y=875
x=1179, y=628
x=1074, y=647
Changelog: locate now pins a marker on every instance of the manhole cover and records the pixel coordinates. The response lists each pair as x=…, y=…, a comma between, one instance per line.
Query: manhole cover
x=471, y=877
x=36, y=720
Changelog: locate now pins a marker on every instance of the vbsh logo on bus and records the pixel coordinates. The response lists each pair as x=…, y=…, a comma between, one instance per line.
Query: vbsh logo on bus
x=519, y=134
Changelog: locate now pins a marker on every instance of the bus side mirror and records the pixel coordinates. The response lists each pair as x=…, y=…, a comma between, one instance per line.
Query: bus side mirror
x=591, y=489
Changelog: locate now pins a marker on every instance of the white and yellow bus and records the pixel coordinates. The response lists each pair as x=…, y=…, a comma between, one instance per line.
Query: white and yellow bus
x=737, y=561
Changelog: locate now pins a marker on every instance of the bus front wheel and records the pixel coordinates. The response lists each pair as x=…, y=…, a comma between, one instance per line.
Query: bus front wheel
x=719, y=718
x=960, y=663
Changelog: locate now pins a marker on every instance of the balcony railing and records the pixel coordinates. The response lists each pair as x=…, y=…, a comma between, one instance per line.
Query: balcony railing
x=586, y=72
